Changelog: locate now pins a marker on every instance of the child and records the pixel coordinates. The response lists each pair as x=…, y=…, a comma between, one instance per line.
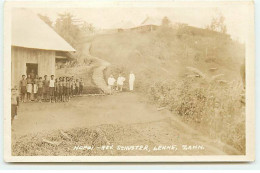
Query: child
x=77, y=87
x=14, y=103
x=111, y=82
x=71, y=86
x=70, y=90
x=29, y=87
x=56, y=90
x=40, y=89
x=64, y=89
x=120, y=82
x=46, y=84
x=81, y=85
x=60, y=89
x=35, y=87
x=23, y=85
x=74, y=87
x=52, y=88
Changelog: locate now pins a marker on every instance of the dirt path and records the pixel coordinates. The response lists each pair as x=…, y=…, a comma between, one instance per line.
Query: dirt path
x=98, y=76
x=137, y=123
x=101, y=65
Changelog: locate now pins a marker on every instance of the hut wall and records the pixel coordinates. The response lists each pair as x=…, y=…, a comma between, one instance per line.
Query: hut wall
x=20, y=56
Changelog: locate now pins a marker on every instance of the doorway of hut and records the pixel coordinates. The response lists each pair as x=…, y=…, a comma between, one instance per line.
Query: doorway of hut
x=32, y=69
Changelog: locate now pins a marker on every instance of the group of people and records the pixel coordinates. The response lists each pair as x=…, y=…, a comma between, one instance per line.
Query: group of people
x=62, y=89
x=120, y=82
x=34, y=88
x=54, y=90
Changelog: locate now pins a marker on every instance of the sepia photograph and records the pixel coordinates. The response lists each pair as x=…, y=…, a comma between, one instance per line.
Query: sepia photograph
x=168, y=81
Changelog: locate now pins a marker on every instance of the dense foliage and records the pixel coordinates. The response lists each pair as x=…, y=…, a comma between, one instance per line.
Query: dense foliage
x=216, y=109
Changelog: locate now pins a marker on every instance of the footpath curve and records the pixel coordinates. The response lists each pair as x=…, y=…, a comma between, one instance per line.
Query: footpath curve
x=98, y=71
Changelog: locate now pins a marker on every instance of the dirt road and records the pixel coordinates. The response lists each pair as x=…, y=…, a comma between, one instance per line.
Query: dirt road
x=125, y=119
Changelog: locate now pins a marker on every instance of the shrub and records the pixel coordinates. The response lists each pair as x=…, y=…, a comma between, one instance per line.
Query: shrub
x=213, y=108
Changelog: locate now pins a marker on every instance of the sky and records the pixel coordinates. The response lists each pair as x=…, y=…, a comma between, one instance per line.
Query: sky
x=114, y=17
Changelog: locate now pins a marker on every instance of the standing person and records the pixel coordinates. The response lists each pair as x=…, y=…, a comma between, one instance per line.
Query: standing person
x=35, y=87
x=81, y=86
x=74, y=87
x=23, y=85
x=29, y=87
x=32, y=74
x=60, y=86
x=71, y=86
x=77, y=87
x=14, y=103
x=67, y=89
x=131, y=81
x=46, y=84
x=111, y=82
x=120, y=82
x=40, y=89
x=56, y=90
x=64, y=89
x=52, y=88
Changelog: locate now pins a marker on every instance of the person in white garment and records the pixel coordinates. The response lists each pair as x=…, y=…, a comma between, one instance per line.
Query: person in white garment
x=120, y=82
x=111, y=82
x=51, y=88
x=131, y=81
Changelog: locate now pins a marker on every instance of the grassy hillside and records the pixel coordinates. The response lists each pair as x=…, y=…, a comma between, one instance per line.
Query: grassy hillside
x=167, y=53
x=194, y=73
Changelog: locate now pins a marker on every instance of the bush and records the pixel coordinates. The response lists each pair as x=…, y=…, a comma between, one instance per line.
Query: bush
x=213, y=108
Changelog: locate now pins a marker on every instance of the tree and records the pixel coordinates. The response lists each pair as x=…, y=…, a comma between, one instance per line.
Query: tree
x=46, y=19
x=165, y=22
x=218, y=24
x=66, y=27
x=87, y=28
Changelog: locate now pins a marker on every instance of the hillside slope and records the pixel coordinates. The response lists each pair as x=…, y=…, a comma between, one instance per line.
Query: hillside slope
x=195, y=75
x=168, y=52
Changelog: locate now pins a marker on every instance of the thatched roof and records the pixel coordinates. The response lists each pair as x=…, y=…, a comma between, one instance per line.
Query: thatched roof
x=29, y=31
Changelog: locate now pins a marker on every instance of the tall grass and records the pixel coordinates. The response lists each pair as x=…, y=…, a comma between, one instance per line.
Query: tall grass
x=215, y=109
